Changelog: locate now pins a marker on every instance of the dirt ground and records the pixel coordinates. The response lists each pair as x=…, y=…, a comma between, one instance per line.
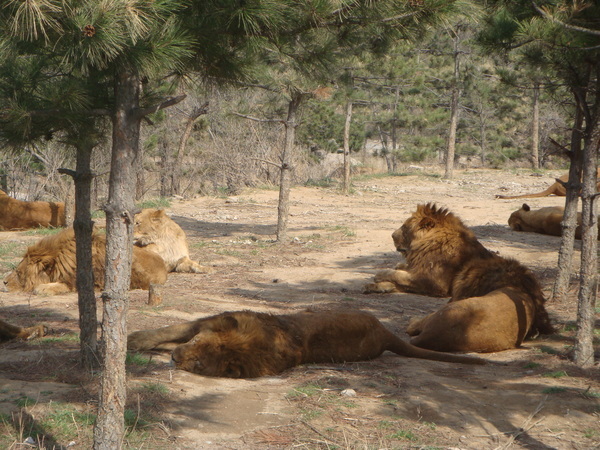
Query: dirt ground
x=536, y=398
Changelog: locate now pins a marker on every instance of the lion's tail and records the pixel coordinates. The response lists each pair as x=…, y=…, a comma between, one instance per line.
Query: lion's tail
x=404, y=348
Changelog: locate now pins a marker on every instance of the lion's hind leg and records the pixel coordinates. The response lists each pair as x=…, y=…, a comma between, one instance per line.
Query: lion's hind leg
x=415, y=326
x=186, y=265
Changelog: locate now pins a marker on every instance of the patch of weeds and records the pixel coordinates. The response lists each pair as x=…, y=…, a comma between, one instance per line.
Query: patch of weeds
x=549, y=350
x=348, y=299
x=309, y=414
x=201, y=244
x=227, y=252
x=159, y=203
x=430, y=425
x=42, y=231
x=24, y=401
x=156, y=388
x=137, y=359
x=65, y=422
x=323, y=182
x=268, y=187
x=8, y=252
x=558, y=374
x=393, y=403
x=308, y=390
x=570, y=327
x=589, y=394
x=98, y=214
x=344, y=230
x=385, y=424
x=591, y=434
x=67, y=337
x=531, y=365
x=554, y=390
x=402, y=434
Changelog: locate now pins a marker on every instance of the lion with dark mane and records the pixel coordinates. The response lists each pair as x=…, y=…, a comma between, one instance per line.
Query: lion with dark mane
x=9, y=331
x=495, y=302
x=21, y=215
x=246, y=344
x=49, y=266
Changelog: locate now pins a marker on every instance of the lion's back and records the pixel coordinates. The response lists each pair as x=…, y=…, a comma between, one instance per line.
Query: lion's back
x=17, y=214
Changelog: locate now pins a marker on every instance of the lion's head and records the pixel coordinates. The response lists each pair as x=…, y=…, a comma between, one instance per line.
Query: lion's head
x=151, y=225
x=515, y=221
x=421, y=222
x=30, y=273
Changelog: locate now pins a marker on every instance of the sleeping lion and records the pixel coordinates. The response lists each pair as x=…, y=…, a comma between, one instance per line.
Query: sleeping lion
x=495, y=302
x=246, y=344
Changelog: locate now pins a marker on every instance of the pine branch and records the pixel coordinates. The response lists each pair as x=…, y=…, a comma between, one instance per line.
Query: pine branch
x=553, y=19
x=142, y=112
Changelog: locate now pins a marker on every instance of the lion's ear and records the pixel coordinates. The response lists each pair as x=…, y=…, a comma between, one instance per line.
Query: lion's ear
x=229, y=323
x=426, y=223
x=526, y=207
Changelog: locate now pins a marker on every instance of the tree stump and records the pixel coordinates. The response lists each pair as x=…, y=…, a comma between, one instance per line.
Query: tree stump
x=155, y=294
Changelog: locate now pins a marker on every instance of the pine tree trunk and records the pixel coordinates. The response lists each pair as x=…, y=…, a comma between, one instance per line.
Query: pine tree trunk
x=83, y=227
x=347, y=147
x=535, y=128
x=285, y=180
x=109, y=429
x=569, y=222
x=451, y=147
x=584, y=345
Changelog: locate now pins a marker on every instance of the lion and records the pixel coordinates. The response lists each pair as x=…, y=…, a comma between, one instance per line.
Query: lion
x=247, y=344
x=157, y=232
x=20, y=215
x=557, y=188
x=544, y=220
x=437, y=245
x=495, y=302
x=49, y=266
x=496, y=305
x=9, y=331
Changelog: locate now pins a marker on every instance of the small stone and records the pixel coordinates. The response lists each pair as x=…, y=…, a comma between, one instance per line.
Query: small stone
x=348, y=393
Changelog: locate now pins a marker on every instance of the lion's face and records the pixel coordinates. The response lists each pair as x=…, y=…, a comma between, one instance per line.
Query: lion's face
x=149, y=225
x=515, y=221
x=209, y=355
x=28, y=274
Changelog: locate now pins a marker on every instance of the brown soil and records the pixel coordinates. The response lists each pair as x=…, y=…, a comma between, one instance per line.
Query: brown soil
x=536, y=398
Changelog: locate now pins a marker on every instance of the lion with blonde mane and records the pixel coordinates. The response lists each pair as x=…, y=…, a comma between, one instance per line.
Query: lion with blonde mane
x=495, y=302
x=49, y=266
x=157, y=232
x=20, y=215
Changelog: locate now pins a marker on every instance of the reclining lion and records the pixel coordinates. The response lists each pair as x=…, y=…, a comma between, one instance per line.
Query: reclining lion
x=20, y=215
x=157, y=232
x=495, y=302
x=49, y=266
x=246, y=344
x=555, y=188
x=544, y=220
x=436, y=245
x=9, y=331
